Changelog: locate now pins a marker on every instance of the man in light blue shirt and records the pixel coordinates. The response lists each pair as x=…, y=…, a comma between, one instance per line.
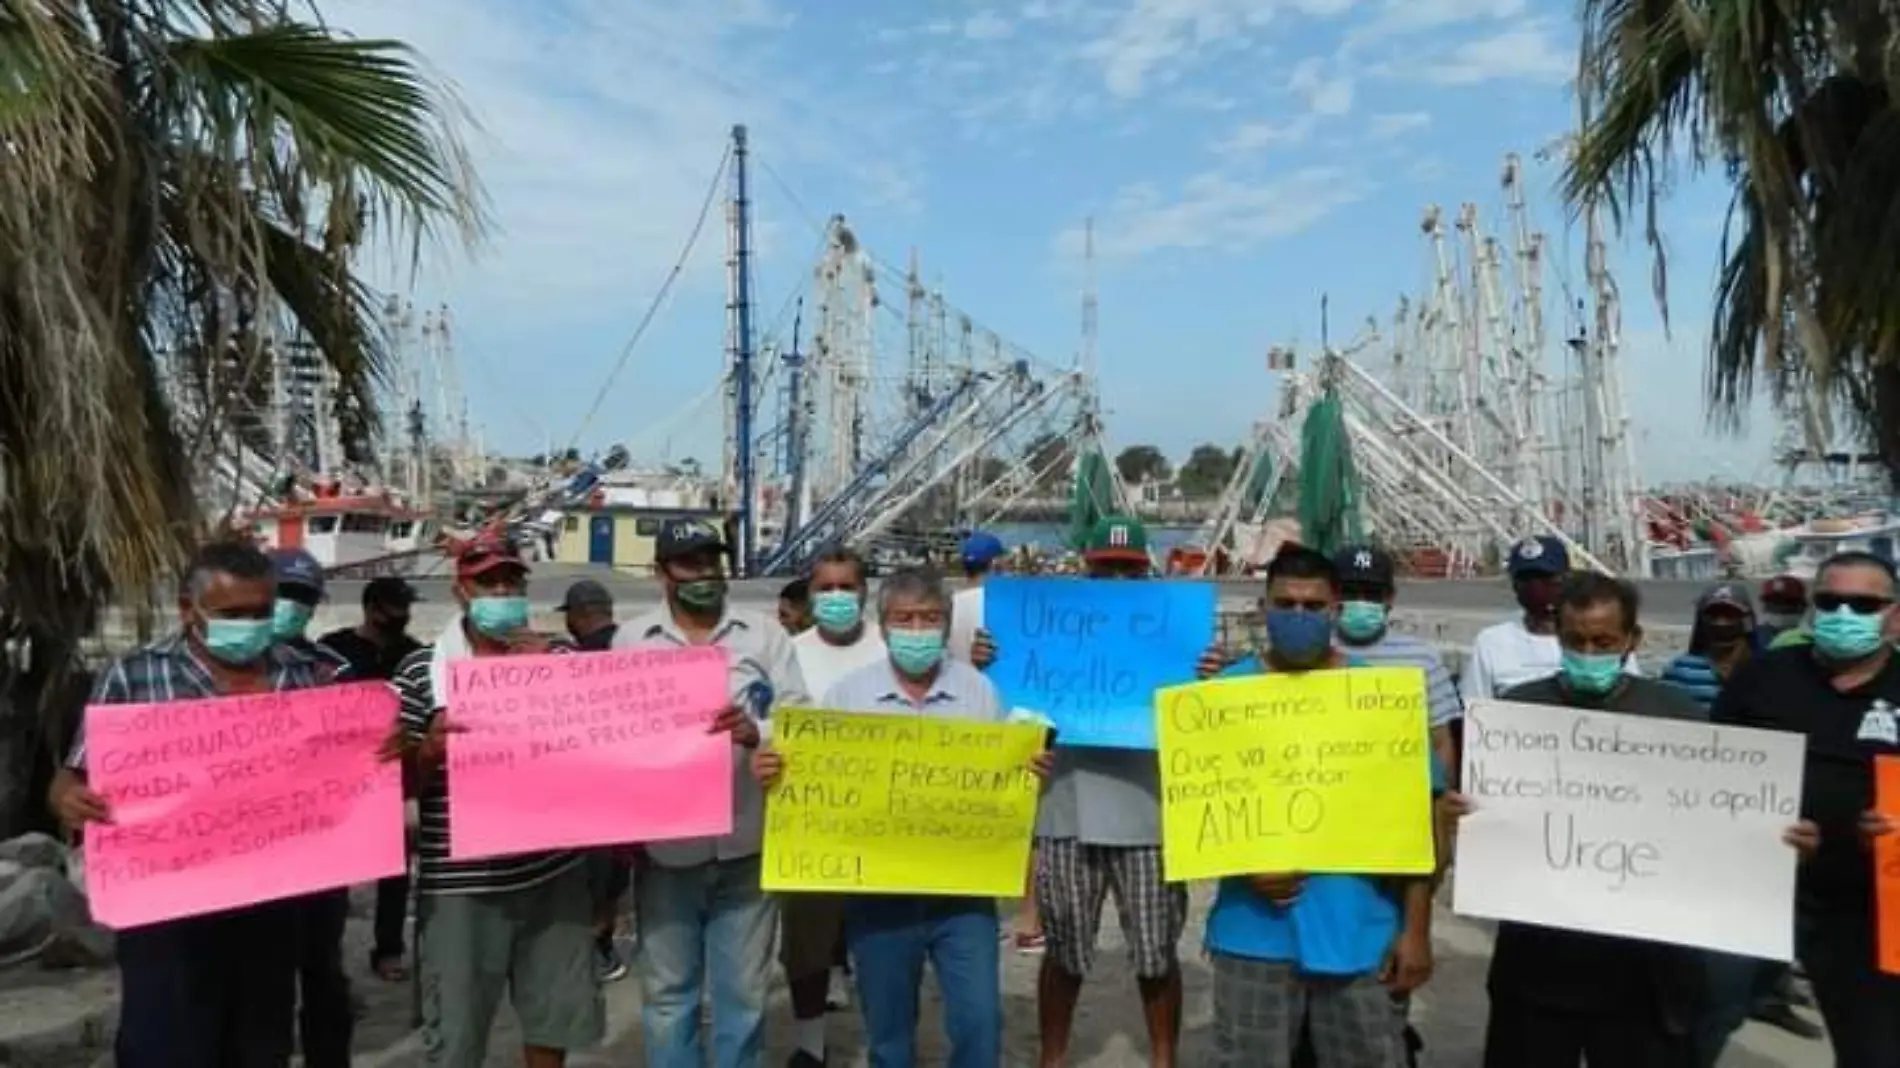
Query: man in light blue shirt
x=1323, y=951
x=890, y=936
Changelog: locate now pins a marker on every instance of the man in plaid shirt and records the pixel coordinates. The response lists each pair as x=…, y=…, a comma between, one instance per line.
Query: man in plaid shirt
x=214, y=991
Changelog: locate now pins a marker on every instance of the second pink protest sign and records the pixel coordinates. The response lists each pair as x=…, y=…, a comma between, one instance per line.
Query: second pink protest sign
x=556, y=752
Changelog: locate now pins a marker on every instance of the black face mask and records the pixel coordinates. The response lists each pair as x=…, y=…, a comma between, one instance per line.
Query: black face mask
x=391, y=626
x=597, y=640
x=1724, y=632
x=1537, y=598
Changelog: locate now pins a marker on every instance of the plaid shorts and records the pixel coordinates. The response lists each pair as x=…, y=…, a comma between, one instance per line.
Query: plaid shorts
x=1072, y=879
x=1260, y=1007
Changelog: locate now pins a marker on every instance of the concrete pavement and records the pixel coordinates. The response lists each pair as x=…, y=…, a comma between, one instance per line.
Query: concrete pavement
x=1450, y=1014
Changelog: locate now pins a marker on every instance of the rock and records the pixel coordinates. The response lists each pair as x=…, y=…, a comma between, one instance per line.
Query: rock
x=43, y=915
x=34, y=851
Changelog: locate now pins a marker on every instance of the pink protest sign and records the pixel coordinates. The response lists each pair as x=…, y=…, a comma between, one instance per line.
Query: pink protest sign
x=556, y=751
x=234, y=800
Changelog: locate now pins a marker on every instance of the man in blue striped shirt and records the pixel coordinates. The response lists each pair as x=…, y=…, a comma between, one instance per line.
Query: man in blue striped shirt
x=1367, y=588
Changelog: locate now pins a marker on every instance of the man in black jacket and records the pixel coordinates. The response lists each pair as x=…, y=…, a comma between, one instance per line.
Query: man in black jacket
x=372, y=649
x=1843, y=693
x=589, y=609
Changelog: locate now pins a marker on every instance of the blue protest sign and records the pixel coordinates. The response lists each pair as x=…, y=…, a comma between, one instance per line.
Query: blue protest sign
x=1090, y=653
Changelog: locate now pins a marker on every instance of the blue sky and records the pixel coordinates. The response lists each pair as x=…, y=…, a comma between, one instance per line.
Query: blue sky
x=1239, y=157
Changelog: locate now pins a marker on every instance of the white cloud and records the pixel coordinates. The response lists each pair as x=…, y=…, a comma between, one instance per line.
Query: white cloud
x=1152, y=35
x=1527, y=51
x=1324, y=96
x=1250, y=138
x=1410, y=16
x=602, y=124
x=1213, y=210
x=1398, y=124
x=986, y=25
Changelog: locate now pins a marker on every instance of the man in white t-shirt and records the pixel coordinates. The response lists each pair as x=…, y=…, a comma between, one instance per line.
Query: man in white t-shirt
x=980, y=551
x=1518, y=650
x=840, y=642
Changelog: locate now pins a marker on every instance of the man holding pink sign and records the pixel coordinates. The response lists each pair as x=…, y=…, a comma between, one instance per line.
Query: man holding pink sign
x=183, y=797
x=519, y=924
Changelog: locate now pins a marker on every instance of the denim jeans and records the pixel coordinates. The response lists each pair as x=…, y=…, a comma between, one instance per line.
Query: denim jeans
x=708, y=923
x=890, y=938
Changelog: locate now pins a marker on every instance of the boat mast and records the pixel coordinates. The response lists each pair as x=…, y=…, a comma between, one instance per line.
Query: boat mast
x=739, y=351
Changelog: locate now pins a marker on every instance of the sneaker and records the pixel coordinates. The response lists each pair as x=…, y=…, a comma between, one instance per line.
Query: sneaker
x=607, y=963
x=1785, y=1018
x=803, y=1059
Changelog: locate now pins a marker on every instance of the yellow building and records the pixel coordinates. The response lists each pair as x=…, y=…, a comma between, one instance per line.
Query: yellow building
x=621, y=536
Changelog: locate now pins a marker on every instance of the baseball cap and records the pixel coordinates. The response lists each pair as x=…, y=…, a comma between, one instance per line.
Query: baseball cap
x=392, y=592
x=684, y=537
x=1784, y=589
x=1116, y=537
x=295, y=567
x=487, y=553
x=981, y=547
x=586, y=594
x=1363, y=565
x=1542, y=555
x=1730, y=594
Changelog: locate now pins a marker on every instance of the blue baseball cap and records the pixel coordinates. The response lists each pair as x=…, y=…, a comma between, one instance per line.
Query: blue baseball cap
x=981, y=548
x=1542, y=555
x=295, y=567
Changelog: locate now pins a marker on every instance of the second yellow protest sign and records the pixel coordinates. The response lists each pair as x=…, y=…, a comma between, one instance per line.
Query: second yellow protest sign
x=877, y=804
x=1323, y=771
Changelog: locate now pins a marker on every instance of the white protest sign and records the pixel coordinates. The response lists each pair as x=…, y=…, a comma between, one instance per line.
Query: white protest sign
x=1666, y=830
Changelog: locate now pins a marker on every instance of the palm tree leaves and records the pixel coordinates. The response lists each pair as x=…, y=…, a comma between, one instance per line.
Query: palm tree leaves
x=185, y=187
x=1794, y=98
x=354, y=115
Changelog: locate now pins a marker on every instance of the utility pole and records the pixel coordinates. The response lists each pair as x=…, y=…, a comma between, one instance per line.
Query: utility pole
x=739, y=359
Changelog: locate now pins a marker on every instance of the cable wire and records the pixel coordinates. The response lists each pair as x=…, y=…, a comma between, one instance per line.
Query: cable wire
x=659, y=298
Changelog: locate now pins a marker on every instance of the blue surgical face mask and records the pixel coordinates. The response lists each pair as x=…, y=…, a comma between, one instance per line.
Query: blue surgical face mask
x=1361, y=621
x=836, y=611
x=1298, y=636
x=1593, y=674
x=498, y=617
x=915, y=652
x=237, y=641
x=1845, y=634
x=289, y=619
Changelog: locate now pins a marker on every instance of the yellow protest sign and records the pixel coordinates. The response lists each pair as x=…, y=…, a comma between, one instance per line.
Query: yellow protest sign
x=1322, y=771
x=889, y=804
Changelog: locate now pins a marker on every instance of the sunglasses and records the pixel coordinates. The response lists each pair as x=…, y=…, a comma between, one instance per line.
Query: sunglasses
x=1860, y=604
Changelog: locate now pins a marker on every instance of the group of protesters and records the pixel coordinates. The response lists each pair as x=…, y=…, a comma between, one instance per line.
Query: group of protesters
x=1307, y=969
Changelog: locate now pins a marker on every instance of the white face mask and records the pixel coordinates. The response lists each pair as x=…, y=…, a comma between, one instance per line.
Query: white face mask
x=1781, y=620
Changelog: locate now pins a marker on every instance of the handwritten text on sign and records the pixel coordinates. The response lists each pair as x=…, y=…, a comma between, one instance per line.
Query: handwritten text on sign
x=589, y=749
x=234, y=800
x=872, y=803
x=1089, y=654
x=1324, y=771
x=1667, y=830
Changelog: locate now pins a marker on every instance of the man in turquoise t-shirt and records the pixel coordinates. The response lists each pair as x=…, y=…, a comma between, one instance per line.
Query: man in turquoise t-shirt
x=1323, y=952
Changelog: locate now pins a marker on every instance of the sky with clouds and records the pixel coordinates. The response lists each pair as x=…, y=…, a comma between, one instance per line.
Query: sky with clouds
x=1240, y=158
